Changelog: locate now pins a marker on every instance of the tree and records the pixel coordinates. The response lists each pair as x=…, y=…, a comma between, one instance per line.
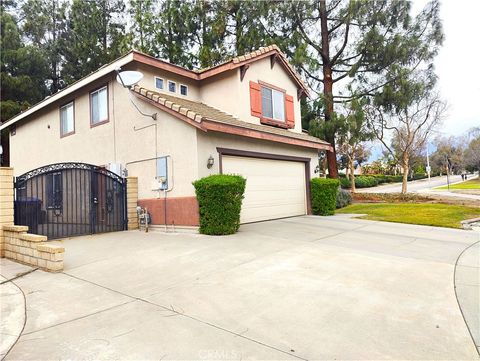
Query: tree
x=95, y=36
x=44, y=25
x=346, y=48
x=472, y=154
x=143, y=16
x=410, y=109
x=353, y=131
x=23, y=69
x=450, y=148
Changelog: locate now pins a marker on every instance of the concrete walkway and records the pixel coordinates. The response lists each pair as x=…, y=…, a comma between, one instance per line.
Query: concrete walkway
x=467, y=288
x=299, y=288
x=12, y=305
x=450, y=194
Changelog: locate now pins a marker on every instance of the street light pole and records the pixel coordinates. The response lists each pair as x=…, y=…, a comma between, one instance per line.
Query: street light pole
x=448, y=172
x=428, y=165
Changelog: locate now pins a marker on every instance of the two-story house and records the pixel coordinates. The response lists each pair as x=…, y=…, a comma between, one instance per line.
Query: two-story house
x=242, y=117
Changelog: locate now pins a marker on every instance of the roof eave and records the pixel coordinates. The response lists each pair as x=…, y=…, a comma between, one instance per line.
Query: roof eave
x=230, y=65
x=105, y=70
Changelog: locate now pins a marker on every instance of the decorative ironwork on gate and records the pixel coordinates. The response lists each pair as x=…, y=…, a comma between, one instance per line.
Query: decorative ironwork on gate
x=70, y=199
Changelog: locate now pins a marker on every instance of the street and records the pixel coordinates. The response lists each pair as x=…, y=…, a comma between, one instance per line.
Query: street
x=417, y=186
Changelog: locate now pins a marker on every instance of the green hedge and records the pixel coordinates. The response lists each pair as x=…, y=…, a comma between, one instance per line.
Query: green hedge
x=371, y=180
x=345, y=182
x=219, y=198
x=365, y=181
x=324, y=196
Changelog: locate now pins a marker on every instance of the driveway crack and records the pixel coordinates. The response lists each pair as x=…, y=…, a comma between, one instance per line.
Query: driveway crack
x=177, y=313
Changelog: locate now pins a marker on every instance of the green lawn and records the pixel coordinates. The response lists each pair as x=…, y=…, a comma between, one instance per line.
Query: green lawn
x=469, y=184
x=429, y=214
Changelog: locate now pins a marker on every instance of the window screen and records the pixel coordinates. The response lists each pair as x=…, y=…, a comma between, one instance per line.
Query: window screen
x=267, y=109
x=159, y=83
x=183, y=89
x=66, y=119
x=273, y=104
x=99, y=104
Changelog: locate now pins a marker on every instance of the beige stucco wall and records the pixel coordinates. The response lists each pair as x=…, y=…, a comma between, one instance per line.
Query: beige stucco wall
x=37, y=141
x=231, y=95
x=208, y=143
x=148, y=81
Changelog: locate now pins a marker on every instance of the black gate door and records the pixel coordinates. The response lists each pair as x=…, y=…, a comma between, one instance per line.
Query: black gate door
x=70, y=199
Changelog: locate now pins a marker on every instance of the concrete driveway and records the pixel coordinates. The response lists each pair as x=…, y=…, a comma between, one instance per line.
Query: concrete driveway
x=307, y=287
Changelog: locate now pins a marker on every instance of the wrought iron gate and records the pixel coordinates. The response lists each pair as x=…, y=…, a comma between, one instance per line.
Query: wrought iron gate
x=70, y=199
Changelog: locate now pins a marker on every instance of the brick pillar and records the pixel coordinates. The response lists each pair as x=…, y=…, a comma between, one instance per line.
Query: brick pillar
x=6, y=203
x=132, y=198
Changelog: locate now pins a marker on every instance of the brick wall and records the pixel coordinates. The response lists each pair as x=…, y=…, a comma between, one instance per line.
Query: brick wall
x=132, y=199
x=6, y=203
x=32, y=249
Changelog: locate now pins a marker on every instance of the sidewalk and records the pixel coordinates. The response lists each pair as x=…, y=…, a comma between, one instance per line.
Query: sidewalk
x=12, y=307
x=467, y=288
x=449, y=194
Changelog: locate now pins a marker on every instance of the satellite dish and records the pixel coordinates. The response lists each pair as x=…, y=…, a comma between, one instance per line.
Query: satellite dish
x=129, y=78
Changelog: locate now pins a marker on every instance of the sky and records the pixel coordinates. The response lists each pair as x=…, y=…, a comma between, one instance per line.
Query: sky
x=456, y=64
x=456, y=68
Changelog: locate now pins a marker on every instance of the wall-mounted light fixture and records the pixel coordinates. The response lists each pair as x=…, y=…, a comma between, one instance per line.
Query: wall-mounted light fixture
x=210, y=162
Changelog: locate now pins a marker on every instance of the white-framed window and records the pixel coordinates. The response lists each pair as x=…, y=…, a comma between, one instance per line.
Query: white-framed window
x=273, y=104
x=67, y=119
x=172, y=86
x=159, y=83
x=183, y=89
x=99, y=106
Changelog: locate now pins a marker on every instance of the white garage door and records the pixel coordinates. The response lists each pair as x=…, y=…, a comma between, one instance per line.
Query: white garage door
x=275, y=188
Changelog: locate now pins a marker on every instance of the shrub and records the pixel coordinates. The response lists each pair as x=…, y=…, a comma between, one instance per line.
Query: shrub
x=345, y=182
x=324, y=196
x=394, y=178
x=220, y=202
x=419, y=176
x=381, y=178
x=344, y=198
x=365, y=181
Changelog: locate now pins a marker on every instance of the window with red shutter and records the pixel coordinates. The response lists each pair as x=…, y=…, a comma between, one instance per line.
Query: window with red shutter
x=255, y=99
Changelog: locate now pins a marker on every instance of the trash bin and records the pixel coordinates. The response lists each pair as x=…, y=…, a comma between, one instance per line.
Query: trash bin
x=28, y=213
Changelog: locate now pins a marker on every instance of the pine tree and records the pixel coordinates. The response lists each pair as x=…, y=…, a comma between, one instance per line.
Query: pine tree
x=95, y=36
x=347, y=49
x=44, y=25
x=23, y=69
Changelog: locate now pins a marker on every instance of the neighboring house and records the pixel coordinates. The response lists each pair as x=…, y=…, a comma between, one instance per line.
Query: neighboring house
x=242, y=116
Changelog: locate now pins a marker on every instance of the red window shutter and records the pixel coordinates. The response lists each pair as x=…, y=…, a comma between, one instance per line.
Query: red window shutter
x=255, y=99
x=290, y=115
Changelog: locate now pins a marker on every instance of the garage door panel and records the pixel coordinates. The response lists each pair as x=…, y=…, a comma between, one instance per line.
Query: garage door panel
x=274, y=189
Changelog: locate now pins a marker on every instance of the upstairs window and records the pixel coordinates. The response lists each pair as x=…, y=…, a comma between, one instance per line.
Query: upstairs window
x=183, y=89
x=273, y=104
x=67, y=121
x=159, y=83
x=172, y=86
x=99, y=106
